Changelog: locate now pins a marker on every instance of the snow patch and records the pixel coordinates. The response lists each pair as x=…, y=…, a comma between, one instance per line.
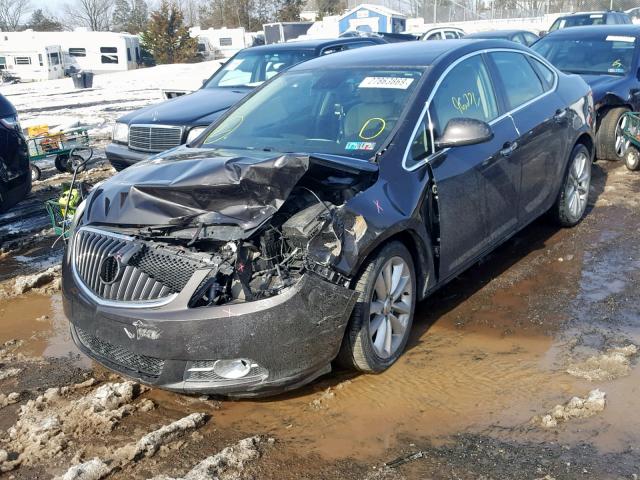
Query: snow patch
x=575, y=408
x=614, y=363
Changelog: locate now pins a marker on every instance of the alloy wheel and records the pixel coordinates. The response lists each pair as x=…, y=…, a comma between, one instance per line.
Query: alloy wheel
x=622, y=144
x=390, y=307
x=577, y=187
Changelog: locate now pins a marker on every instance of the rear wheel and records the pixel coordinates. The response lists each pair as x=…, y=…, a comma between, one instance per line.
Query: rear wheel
x=61, y=163
x=611, y=144
x=381, y=321
x=632, y=158
x=574, y=191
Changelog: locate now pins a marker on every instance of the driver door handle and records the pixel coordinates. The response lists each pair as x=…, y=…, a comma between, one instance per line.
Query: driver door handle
x=508, y=148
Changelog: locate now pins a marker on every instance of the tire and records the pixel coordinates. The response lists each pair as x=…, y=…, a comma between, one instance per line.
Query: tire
x=363, y=349
x=35, y=173
x=608, y=134
x=573, y=196
x=61, y=163
x=76, y=161
x=632, y=158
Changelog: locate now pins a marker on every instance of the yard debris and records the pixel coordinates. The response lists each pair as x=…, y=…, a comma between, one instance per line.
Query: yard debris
x=45, y=425
x=49, y=277
x=93, y=469
x=9, y=372
x=575, y=408
x=614, y=363
x=149, y=444
x=10, y=399
x=227, y=464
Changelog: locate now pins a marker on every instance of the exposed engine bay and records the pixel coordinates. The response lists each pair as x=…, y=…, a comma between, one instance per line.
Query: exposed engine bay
x=256, y=225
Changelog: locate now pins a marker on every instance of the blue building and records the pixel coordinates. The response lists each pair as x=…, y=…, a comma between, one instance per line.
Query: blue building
x=372, y=18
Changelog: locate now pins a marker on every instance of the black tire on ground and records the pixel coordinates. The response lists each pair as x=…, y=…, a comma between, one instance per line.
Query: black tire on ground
x=563, y=212
x=76, y=161
x=35, y=173
x=357, y=350
x=632, y=158
x=61, y=163
x=606, y=134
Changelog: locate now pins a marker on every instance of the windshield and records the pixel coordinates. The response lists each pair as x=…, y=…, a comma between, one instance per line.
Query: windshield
x=578, y=21
x=611, y=55
x=251, y=68
x=346, y=111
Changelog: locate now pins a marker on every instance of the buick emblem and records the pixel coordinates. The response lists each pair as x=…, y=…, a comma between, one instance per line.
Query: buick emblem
x=110, y=270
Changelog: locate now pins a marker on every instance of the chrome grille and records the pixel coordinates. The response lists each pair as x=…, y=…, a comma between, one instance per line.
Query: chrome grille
x=91, y=247
x=149, y=366
x=154, y=138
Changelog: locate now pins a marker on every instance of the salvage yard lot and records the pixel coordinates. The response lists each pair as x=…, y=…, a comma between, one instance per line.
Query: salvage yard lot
x=484, y=389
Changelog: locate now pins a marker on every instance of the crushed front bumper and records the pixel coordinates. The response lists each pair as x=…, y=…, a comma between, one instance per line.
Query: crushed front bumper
x=290, y=339
x=121, y=156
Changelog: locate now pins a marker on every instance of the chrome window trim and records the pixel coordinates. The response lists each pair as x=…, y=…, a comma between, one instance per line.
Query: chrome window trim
x=112, y=303
x=427, y=104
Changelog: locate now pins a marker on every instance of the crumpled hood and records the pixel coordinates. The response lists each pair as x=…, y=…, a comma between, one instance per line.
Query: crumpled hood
x=603, y=84
x=214, y=187
x=201, y=107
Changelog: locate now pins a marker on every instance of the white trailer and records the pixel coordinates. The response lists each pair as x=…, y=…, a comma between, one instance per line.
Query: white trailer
x=224, y=41
x=99, y=52
x=30, y=63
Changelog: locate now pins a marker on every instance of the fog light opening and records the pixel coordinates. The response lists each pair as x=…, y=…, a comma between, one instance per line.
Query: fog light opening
x=232, y=369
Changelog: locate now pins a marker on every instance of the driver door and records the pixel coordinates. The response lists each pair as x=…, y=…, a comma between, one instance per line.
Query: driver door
x=477, y=185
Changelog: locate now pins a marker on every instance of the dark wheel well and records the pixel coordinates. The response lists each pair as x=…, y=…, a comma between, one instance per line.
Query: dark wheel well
x=587, y=141
x=418, y=254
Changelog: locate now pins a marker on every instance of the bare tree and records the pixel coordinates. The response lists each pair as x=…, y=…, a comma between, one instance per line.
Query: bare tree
x=12, y=12
x=93, y=14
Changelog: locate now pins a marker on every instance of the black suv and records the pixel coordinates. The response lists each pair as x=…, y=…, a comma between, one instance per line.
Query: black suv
x=607, y=58
x=153, y=129
x=582, y=19
x=15, y=174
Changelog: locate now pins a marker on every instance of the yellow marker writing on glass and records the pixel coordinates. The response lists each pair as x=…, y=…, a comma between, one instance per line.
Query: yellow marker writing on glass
x=383, y=125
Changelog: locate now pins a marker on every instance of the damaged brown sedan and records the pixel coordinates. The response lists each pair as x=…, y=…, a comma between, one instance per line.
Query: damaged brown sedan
x=303, y=226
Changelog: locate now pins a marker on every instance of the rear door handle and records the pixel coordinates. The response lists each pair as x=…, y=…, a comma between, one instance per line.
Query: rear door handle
x=508, y=148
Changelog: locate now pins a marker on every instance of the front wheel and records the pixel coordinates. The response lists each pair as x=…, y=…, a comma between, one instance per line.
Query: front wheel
x=36, y=173
x=381, y=321
x=574, y=191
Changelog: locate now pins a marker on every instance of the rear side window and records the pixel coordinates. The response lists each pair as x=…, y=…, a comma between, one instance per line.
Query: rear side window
x=519, y=80
x=435, y=36
x=544, y=72
x=466, y=92
x=450, y=35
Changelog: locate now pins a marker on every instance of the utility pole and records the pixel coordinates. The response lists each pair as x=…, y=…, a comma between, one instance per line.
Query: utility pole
x=435, y=11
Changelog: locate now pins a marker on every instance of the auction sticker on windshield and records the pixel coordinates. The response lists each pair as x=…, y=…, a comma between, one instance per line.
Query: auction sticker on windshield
x=360, y=146
x=386, y=82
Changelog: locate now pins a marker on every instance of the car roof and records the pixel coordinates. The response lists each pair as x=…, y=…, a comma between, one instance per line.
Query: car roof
x=595, y=12
x=313, y=44
x=406, y=54
x=496, y=33
x=591, y=31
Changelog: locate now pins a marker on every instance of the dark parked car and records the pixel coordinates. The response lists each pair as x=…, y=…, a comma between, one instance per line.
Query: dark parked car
x=156, y=128
x=15, y=172
x=607, y=58
x=524, y=37
x=582, y=19
x=307, y=222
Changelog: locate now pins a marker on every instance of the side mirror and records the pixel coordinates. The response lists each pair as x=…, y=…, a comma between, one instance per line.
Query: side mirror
x=464, y=131
x=542, y=33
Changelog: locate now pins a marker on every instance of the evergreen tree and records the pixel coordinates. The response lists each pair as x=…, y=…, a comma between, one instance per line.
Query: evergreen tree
x=40, y=22
x=167, y=37
x=130, y=16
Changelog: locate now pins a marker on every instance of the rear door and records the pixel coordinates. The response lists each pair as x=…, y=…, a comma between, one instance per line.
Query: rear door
x=478, y=184
x=540, y=118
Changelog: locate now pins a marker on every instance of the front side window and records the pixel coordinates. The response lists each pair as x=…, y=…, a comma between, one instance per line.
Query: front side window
x=435, y=36
x=340, y=111
x=450, y=35
x=421, y=146
x=520, y=81
x=250, y=69
x=109, y=54
x=466, y=92
x=611, y=55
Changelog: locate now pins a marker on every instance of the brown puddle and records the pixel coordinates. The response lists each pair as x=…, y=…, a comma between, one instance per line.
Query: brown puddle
x=40, y=322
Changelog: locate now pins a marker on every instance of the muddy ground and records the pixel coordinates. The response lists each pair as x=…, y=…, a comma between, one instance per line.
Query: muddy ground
x=485, y=390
